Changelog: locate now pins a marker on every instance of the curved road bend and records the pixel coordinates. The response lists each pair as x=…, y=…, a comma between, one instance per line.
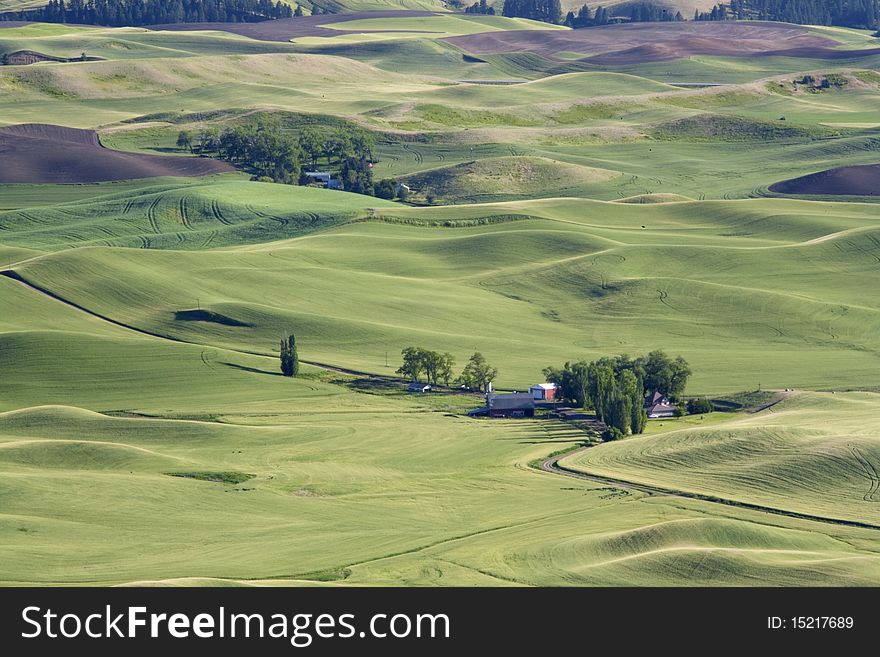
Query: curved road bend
x=552, y=465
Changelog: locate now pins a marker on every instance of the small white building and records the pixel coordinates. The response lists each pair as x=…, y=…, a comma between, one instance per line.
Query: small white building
x=325, y=177
x=543, y=391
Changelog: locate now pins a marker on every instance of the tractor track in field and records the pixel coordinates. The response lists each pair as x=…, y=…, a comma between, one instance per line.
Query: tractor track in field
x=32, y=219
x=106, y=231
x=313, y=217
x=151, y=215
x=218, y=215
x=204, y=357
x=552, y=466
x=662, y=298
x=417, y=156
x=281, y=221
x=870, y=473
x=181, y=206
x=209, y=239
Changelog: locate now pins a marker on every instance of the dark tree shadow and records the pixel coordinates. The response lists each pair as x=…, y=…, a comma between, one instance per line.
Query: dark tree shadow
x=207, y=316
x=254, y=370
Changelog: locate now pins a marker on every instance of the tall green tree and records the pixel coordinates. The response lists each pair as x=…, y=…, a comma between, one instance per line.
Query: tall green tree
x=445, y=364
x=289, y=356
x=668, y=376
x=572, y=381
x=477, y=373
x=413, y=363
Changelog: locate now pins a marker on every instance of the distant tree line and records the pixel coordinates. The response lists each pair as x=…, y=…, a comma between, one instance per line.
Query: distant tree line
x=481, y=7
x=615, y=387
x=586, y=17
x=550, y=11
x=438, y=367
x=641, y=12
x=117, y=13
x=650, y=12
x=845, y=13
x=547, y=11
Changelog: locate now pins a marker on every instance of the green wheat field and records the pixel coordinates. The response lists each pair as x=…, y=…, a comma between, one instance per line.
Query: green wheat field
x=575, y=211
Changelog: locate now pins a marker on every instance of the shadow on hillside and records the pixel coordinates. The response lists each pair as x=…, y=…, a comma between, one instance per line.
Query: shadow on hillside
x=254, y=370
x=207, y=316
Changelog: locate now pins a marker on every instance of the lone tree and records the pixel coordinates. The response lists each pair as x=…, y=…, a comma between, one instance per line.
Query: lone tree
x=477, y=374
x=184, y=140
x=289, y=356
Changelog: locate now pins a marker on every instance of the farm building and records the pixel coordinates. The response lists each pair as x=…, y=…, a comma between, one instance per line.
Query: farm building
x=325, y=177
x=658, y=405
x=517, y=404
x=543, y=391
x=415, y=386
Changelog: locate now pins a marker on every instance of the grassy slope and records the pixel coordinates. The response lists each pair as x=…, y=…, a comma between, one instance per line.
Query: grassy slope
x=812, y=454
x=319, y=507
x=185, y=216
x=771, y=276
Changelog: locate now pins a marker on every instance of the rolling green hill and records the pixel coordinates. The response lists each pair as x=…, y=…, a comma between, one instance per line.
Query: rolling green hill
x=811, y=454
x=587, y=272
x=559, y=211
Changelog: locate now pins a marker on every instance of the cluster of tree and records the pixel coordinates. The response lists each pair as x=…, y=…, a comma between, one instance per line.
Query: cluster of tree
x=846, y=13
x=289, y=356
x=389, y=189
x=337, y=144
x=437, y=368
x=261, y=148
x=650, y=12
x=116, y=13
x=615, y=387
x=481, y=7
x=586, y=17
x=699, y=405
x=267, y=151
x=550, y=11
x=547, y=11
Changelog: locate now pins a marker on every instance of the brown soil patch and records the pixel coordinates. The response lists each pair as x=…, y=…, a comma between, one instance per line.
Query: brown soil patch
x=861, y=180
x=39, y=153
x=647, y=42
